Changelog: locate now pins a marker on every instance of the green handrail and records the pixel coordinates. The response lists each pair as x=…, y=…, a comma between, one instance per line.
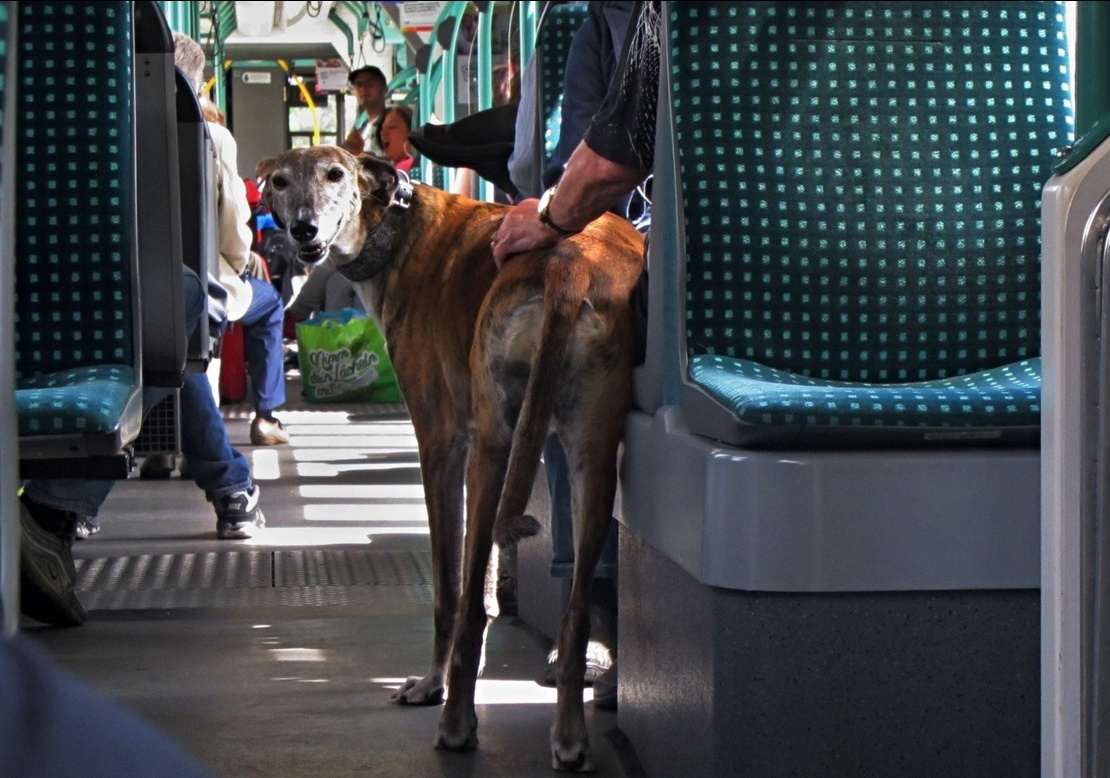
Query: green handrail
x=337, y=21
x=529, y=16
x=182, y=16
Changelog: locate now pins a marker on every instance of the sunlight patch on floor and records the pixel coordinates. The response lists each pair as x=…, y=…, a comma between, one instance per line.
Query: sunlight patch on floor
x=367, y=514
x=373, y=429
x=264, y=465
x=353, y=438
x=501, y=692
x=332, y=469
x=360, y=454
x=294, y=537
x=298, y=655
x=363, y=492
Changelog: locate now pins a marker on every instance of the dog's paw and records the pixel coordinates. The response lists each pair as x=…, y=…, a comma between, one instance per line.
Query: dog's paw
x=570, y=752
x=457, y=733
x=514, y=529
x=419, y=691
x=573, y=760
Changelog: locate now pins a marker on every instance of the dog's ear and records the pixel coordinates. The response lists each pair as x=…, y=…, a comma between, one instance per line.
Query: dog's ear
x=376, y=179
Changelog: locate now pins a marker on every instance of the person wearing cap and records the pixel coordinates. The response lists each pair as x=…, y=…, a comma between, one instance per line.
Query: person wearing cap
x=369, y=86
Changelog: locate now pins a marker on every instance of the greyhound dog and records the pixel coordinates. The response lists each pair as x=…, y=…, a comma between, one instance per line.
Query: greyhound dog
x=488, y=363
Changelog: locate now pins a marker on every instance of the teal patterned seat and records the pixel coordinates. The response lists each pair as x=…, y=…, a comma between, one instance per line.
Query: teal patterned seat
x=861, y=187
x=553, y=41
x=77, y=387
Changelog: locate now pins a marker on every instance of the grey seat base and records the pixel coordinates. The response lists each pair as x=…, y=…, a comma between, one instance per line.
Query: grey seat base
x=827, y=521
x=719, y=683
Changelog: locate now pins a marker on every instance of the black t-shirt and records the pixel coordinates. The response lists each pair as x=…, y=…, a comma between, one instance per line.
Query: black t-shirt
x=623, y=130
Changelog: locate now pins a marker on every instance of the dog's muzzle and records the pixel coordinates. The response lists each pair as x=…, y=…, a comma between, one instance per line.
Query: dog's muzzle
x=313, y=252
x=310, y=249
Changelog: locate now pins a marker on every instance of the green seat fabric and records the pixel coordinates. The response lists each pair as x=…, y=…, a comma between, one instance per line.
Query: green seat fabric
x=861, y=185
x=81, y=400
x=74, y=318
x=553, y=45
x=763, y=395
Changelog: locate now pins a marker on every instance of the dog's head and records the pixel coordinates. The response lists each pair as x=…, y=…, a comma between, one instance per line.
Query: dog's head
x=328, y=200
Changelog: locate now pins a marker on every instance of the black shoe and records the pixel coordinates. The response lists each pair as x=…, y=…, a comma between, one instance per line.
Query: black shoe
x=237, y=514
x=157, y=467
x=47, y=575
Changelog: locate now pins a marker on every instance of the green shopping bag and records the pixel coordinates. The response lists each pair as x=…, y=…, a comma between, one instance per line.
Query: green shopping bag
x=343, y=359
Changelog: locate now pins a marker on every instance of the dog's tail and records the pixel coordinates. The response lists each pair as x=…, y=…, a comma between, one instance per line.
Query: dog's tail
x=565, y=290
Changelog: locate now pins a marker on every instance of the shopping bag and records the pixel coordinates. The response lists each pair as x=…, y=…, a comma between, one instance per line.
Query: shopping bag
x=343, y=359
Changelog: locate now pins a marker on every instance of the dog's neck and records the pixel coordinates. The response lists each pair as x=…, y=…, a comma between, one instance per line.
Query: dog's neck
x=376, y=251
x=370, y=251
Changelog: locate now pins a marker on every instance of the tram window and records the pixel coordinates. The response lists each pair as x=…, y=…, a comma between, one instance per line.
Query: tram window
x=301, y=116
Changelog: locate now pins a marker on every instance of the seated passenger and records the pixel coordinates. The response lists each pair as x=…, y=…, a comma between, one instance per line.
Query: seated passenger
x=253, y=301
x=393, y=136
x=324, y=290
x=51, y=509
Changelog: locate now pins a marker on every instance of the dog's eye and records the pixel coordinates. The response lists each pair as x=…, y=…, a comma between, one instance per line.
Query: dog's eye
x=335, y=174
x=279, y=182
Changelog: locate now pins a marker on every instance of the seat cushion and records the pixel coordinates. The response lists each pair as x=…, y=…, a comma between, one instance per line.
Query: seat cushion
x=1005, y=396
x=82, y=400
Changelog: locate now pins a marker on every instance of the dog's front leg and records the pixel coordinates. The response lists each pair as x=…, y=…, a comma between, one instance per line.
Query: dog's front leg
x=458, y=726
x=442, y=467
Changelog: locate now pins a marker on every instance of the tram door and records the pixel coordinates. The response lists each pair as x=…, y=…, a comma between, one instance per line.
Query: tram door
x=256, y=99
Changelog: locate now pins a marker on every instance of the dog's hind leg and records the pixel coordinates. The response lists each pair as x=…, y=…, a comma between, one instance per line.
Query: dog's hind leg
x=591, y=437
x=442, y=465
x=458, y=725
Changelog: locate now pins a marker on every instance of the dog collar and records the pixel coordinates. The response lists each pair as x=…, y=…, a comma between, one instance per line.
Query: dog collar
x=378, y=249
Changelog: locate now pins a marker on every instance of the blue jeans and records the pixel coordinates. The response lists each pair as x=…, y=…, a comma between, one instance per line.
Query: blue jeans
x=562, y=520
x=262, y=325
x=216, y=467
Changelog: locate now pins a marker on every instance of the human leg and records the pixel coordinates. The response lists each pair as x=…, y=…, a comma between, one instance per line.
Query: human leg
x=217, y=468
x=262, y=343
x=562, y=520
x=51, y=511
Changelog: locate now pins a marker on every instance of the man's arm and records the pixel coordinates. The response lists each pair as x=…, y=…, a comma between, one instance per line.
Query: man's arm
x=615, y=155
x=589, y=187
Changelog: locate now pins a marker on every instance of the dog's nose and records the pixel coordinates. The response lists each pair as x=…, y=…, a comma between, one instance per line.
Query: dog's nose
x=303, y=231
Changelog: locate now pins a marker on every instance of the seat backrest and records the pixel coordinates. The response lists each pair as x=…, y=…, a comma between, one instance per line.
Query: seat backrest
x=9, y=439
x=861, y=181
x=74, y=224
x=159, y=200
x=199, y=214
x=553, y=40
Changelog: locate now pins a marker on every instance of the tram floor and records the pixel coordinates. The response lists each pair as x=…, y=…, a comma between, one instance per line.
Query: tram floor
x=275, y=656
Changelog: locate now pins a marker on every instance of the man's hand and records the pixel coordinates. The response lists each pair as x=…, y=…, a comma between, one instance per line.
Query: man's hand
x=354, y=142
x=521, y=230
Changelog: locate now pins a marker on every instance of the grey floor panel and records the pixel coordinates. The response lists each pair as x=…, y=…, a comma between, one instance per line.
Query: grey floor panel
x=238, y=579
x=275, y=656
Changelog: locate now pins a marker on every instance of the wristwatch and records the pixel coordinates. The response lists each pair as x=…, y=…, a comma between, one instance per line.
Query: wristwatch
x=545, y=216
